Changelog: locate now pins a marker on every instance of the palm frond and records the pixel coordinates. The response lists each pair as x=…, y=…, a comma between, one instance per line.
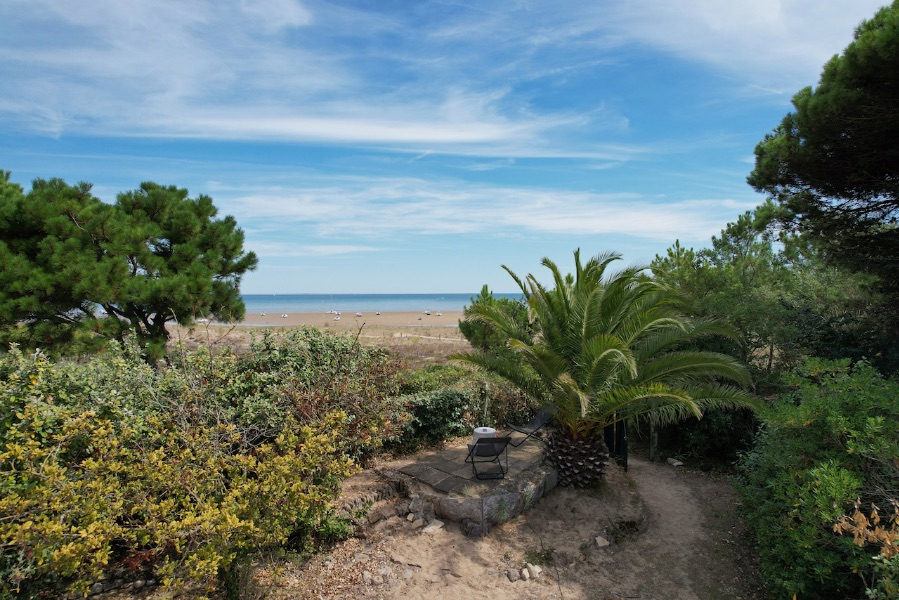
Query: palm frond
x=686, y=366
x=610, y=346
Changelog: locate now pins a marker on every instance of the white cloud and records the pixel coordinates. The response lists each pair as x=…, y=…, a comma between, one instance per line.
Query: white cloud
x=381, y=209
x=773, y=43
x=289, y=250
x=444, y=75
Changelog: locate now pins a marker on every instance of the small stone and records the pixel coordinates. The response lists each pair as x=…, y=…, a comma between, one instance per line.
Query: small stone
x=602, y=542
x=374, y=517
x=418, y=523
x=97, y=588
x=408, y=573
x=533, y=570
x=391, y=523
x=367, y=577
x=525, y=575
x=675, y=463
x=385, y=572
x=437, y=524
x=361, y=556
x=410, y=517
x=512, y=574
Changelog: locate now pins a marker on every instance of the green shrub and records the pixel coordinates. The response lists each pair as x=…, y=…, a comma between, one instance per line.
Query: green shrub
x=111, y=467
x=303, y=374
x=832, y=440
x=446, y=401
x=482, y=335
x=432, y=378
x=436, y=417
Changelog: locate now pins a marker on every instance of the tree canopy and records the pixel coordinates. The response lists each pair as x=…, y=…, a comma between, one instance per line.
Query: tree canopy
x=75, y=270
x=833, y=163
x=785, y=300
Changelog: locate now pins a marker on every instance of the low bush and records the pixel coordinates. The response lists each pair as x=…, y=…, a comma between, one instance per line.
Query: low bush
x=436, y=417
x=304, y=374
x=113, y=469
x=831, y=441
x=446, y=401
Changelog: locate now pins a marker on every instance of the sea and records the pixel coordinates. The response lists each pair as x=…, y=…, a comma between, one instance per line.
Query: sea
x=323, y=303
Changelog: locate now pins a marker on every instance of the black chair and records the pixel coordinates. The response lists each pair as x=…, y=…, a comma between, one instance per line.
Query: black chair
x=489, y=457
x=530, y=430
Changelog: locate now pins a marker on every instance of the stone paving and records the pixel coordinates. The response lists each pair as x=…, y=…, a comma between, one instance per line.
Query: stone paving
x=444, y=484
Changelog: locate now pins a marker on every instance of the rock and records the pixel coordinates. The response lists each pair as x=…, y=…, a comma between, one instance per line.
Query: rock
x=473, y=529
x=408, y=573
x=533, y=573
x=675, y=463
x=410, y=517
x=436, y=525
x=418, y=523
x=361, y=557
x=525, y=575
x=391, y=523
x=602, y=542
x=454, y=509
x=367, y=577
x=374, y=517
x=512, y=574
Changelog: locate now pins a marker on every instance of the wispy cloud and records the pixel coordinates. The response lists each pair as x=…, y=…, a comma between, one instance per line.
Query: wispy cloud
x=451, y=75
x=290, y=250
x=386, y=208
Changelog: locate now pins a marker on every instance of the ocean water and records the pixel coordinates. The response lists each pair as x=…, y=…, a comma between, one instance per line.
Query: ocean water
x=313, y=303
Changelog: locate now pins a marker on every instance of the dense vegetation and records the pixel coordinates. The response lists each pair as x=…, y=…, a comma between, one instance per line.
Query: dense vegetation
x=601, y=348
x=111, y=468
x=831, y=441
x=809, y=280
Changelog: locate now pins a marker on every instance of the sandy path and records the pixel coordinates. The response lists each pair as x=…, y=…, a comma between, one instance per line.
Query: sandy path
x=690, y=547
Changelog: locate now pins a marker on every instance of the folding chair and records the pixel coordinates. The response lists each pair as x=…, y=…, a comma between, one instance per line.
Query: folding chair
x=489, y=457
x=540, y=420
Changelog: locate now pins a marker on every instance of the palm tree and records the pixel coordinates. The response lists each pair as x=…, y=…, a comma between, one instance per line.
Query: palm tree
x=604, y=349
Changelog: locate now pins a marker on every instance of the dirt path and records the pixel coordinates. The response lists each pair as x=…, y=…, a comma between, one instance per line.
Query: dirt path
x=690, y=546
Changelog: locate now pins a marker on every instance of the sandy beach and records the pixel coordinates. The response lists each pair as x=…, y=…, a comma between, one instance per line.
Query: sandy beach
x=355, y=320
x=418, y=337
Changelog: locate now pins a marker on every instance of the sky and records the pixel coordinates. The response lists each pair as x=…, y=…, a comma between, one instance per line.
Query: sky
x=416, y=146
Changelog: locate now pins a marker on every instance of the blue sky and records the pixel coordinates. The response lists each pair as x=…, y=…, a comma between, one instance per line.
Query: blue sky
x=415, y=146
